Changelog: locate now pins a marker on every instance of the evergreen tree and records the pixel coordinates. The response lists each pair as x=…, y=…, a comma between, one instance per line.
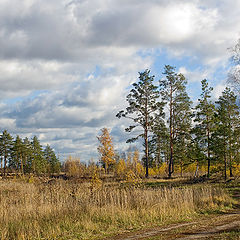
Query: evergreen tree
x=17, y=160
x=159, y=141
x=182, y=128
x=173, y=93
x=38, y=163
x=27, y=155
x=204, y=118
x=142, y=101
x=6, y=141
x=227, y=119
x=53, y=164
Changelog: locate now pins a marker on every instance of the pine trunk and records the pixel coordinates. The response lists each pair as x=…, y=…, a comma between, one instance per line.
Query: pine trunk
x=208, y=149
x=5, y=164
x=170, y=167
x=146, y=151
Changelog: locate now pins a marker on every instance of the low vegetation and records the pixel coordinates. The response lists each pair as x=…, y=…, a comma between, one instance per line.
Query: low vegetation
x=58, y=209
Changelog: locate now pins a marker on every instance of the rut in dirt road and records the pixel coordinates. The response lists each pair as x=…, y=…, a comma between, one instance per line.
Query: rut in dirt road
x=213, y=231
x=193, y=230
x=208, y=227
x=152, y=232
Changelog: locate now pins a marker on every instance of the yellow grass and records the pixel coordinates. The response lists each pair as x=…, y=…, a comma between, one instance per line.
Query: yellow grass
x=68, y=210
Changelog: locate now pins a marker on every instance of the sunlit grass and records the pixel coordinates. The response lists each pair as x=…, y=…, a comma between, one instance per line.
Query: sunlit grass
x=68, y=210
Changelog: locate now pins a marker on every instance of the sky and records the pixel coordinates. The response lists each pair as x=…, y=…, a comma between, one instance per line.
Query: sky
x=66, y=66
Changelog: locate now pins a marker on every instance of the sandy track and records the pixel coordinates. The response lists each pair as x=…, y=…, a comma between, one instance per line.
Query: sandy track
x=213, y=231
x=204, y=228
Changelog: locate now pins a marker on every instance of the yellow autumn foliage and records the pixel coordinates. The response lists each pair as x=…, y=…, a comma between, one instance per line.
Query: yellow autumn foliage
x=191, y=168
x=132, y=179
x=236, y=170
x=106, y=148
x=140, y=171
x=74, y=167
x=96, y=182
x=152, y=172
x=121, y=168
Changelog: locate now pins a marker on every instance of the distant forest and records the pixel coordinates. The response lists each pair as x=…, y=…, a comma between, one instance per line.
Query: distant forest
x=25, y=156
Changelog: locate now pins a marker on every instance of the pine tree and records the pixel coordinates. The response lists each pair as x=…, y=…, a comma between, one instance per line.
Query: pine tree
x=38, y=164
x=182, y=132
x=173, y=93
x=17, y=160
x=159, y=141
x=27, y=155
x=53, y=164
x=6, y=141
x=106, y=149
x=204, y=118
x=142, y=101
x=227, y=119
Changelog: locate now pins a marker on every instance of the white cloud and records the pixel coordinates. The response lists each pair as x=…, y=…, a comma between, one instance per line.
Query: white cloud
x=197, y=75
x=7, y=123
x=218, y=89
x=86, y=53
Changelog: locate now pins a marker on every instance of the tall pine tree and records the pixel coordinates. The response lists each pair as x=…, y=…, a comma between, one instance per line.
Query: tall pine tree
x=6, y=141
x=142, y=101
x=38, y=163
x=204, y=118
x=53, y=164
x=227, y=119
x=173, y=93
x=17, y=160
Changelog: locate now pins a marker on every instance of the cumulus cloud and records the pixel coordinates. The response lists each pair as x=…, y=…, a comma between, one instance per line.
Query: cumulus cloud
x=197, y=75
x=66, y=66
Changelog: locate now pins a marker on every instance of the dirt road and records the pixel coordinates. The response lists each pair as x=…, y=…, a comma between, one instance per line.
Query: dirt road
x=221, y=226
x=225, y=226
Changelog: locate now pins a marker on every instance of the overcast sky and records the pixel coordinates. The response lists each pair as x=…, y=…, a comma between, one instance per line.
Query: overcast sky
x=66, y=66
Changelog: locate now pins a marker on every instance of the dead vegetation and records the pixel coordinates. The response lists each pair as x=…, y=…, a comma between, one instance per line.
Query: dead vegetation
x=71, y=210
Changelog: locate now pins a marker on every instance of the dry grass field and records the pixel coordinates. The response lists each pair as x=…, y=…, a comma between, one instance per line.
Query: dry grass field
x=72, y=210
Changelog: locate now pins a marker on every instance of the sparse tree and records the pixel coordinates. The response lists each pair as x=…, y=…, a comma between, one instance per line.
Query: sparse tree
x=173, y=93
x=204, y=118
x=159, y=141
x=142, y=101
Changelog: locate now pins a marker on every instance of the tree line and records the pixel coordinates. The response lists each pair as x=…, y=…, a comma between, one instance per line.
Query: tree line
x=26, y=156
x=175, y=132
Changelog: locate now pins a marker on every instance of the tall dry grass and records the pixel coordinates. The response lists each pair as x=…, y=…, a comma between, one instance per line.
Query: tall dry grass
x=67, y=210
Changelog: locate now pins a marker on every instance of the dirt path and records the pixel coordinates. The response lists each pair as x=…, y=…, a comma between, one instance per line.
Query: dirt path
x=212, y=232
x=203, y=229
x=222, y=226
